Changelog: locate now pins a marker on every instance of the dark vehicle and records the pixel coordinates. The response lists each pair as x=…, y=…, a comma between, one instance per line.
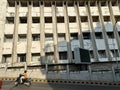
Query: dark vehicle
x=27, y=81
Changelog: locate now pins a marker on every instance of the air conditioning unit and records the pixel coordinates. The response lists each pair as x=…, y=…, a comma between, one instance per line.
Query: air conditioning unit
x=81, y=56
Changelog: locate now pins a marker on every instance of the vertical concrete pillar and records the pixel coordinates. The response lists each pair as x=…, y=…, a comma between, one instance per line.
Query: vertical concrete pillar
x=68, y=71
x=66, y=20
x=118, y=3
x=116, y=35
x=55, y=36
x=15, y=34
x=90, y=72
x=42, y=32
x=90, y=21
x=3, y=4
x=113, y=73
x=80, y=36
x=104, y=31
x=29, y=34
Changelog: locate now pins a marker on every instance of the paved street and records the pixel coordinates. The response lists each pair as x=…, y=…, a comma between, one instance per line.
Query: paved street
x=56, y=86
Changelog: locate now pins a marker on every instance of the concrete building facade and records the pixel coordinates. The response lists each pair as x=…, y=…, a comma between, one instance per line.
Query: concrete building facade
x=40, y=32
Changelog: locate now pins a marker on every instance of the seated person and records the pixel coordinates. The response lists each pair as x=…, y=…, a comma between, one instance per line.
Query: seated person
x=24, y=76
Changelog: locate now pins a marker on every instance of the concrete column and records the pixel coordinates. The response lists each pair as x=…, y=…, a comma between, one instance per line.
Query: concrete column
x=3, y=5
x=90, y=72
x=118, y=3
x=29, y=34
x=15, y=34
x=116, y=35
x=42, y=32
x=55, y=36
x=80, y=36
x=68, y=71
x=66, y=20
x=90, y=21
x=113, y=73
x=104, y=31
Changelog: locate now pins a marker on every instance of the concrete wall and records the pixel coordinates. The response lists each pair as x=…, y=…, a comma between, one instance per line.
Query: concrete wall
x=81, y=75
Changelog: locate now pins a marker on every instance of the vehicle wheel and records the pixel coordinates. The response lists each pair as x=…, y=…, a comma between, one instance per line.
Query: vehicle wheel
x=27, y=84
x=16, y=83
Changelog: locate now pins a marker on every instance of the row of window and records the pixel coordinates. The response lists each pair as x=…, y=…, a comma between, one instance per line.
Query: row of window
x=58, y=3
x=50, y=56
x=60, y=19
x=61, y=37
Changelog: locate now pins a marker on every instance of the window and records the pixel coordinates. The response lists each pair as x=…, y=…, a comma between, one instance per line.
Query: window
x=98, y=35
x=82, y=3
x=61, y=37
x=35, y=20
x=36, y=57
x=114, y=3
x=21, y=57
x=70, y=3
x=102, y=54
x=9, y=20
x=60, y=19
x=72, y=19
x=23, y=19
x=36, y=4
x=84, y=19
x=103, y=3
x=50, y=57
x=110, y=34
x=63, y=55
x=48, y=19
x=48, y=4
x=95, y=18
x=48, y=37
x=92, y=3
x=8, y=38
x=21, y=37
x=86, y=35
x=73, y=55
x=74, y=36
x=11, y=3
x=119, y=33
x=59, y=3
x=23, y=4
x=36, y=37
x=115, y=53
x=106, y=18
x=6, y=58
x=91, y=54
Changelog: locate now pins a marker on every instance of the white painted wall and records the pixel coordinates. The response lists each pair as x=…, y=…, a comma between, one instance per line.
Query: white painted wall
x=116, y=10
x=71, y=11
x=105, y=11
x=35, y=28
x=21, y=47
x=22, y=29
x=9, y=28
x=35, y=47
x=82, y=11
x=100, y=44
x=94, y=11
x=7, y=48
x=59, y=11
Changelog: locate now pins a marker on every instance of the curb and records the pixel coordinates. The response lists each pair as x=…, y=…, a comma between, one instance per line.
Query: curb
x=66, y=81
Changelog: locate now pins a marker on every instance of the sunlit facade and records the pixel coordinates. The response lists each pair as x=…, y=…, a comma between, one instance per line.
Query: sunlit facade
x=47, y=31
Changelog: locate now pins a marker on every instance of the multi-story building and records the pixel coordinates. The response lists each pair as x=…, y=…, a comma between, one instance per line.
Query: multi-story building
x=47, y=31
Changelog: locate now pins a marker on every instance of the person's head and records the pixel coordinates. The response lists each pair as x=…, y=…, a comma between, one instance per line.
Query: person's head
x=25, y=71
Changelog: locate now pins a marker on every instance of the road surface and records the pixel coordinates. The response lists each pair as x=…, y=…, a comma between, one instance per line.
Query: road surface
x=9, y=85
